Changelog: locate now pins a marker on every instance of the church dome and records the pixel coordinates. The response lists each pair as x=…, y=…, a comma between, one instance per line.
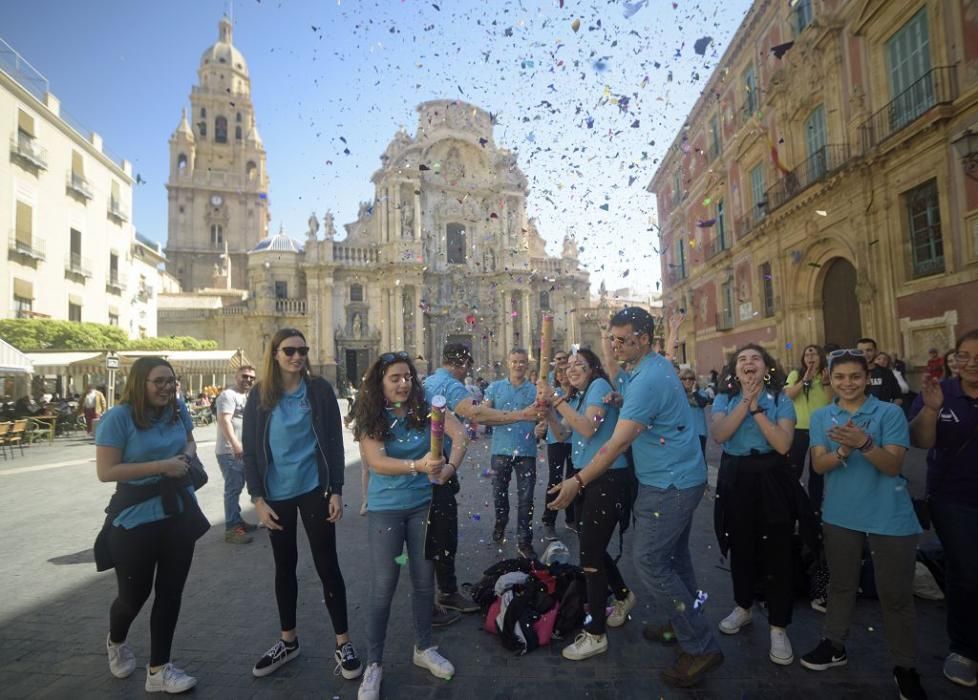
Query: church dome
x=279, y=243
x=223, y=52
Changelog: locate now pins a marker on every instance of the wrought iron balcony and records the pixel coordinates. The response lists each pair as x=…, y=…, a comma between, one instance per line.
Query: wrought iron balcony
x=937, y=86
x=113, y=285
x=718, y=245
x=26, y=245
x=144, y=293
x=117, y=211
x=75, y=264
x=675, y=274
x=79, y=185
x=27, y=148
x=816, y=168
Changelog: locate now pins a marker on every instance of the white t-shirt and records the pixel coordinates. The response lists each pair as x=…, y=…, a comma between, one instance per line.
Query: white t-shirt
x=90, y=400
x=230, y=401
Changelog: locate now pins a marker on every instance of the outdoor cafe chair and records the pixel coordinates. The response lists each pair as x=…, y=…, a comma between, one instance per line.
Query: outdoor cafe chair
x=4, y=436
x=16, y=434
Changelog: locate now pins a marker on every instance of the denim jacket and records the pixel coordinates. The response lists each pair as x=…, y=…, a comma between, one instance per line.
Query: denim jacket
x=326, y=427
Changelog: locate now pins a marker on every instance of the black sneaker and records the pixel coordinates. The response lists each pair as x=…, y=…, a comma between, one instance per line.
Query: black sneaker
x=440, y=617
x=908, y=683
x=498, y=533
x=825, y=656
x=457, y=601
x=277, y=656
x=526, y=551
x=347, y=661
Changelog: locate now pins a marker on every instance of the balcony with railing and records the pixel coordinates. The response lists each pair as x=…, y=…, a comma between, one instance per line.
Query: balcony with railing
x=26, y=245
x=725, y=320
x=26, y=148
x=717, y=245
x=117, y=211
x=290, y=307
x=675, y=274
x=77, y=184
x=746, y=224
x=144, y=293
x=814, y=169
x=113, y=283
x=75, y=264
x=355, y=255
x=937, y=86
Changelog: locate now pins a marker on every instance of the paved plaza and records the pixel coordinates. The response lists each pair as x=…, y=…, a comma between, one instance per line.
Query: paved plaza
x=54, y=609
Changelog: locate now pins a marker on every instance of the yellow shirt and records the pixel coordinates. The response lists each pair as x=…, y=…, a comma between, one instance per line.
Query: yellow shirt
x=806, y=405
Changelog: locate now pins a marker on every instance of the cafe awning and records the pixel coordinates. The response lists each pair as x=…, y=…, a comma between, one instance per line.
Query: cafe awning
x=13, y=361
x=58, y=362
x=183, y=361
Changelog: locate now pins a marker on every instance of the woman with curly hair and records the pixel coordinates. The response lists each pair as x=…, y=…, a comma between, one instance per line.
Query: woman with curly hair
x=392, y=424
x=293, y=455
x=755, y=508
x=580, y=414
x=809, y=389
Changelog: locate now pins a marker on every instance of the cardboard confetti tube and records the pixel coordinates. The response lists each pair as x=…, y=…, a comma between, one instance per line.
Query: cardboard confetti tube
x=438, y=404
x=546, y=341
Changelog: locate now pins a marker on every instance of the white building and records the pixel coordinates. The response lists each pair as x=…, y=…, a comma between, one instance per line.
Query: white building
x=65, y=211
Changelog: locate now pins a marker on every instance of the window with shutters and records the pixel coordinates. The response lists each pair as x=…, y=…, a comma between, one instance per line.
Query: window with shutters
x=924, y=228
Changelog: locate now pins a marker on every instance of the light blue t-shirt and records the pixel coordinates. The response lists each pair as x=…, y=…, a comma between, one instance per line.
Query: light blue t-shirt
x=551, y=438
x=162, y=440
x=699, y=416
x=748, y=435
x=443, y=383
x=667, y=453
x=584, y=449
x=293, y=470
x=858, y=496
x=516, y=439
x=402, y=491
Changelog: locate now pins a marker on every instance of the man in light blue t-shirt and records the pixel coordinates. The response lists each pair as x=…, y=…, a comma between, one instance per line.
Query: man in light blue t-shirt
x=514, y=447
x=657, y=422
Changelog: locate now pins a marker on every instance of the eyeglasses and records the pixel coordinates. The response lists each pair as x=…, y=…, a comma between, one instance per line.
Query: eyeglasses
x=290, y=351
x=390, y=357
x=843, y=352
x=688, y=379
x=963, y=358
x=163, y=382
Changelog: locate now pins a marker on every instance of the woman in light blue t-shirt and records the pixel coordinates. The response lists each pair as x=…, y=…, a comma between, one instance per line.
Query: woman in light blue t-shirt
x=858, y=443
x=392, y=424
x=580, y=414
x=154, y=521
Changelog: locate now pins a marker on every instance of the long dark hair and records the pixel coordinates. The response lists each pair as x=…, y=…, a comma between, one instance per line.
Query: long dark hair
x=134, y=392
x=369, y=417
x=773, y=381
x=823, y=364
x=594, y=362
x=270, y=388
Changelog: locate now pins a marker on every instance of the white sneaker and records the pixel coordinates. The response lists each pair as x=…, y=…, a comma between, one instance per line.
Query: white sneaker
x=370, y=685
x=169, y=679
x=732, y=623
x=122, y=662
x=781, y=652
x=620, y=610
x=585, y=646
x=430, y=659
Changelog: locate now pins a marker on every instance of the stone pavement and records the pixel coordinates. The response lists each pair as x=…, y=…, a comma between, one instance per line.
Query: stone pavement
x=54, y=610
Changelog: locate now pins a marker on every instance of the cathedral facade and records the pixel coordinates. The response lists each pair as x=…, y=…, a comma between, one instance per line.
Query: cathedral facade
x=444, y=252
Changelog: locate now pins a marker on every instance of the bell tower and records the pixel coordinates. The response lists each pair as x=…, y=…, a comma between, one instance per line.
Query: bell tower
x=218, y=185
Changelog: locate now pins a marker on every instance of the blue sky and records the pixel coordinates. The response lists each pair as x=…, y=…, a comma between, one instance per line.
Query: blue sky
x=588, y=112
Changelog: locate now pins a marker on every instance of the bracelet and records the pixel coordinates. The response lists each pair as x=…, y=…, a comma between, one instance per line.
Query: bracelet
x=580, y=482
x=756, y=411
x=559, y=400
x=454, y=468
x=868, y=445
x=838, y=453
x=413, y=468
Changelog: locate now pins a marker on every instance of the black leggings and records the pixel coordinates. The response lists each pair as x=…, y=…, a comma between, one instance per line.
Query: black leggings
x=322, y=541
x=561, y=467
x=161, y=550
x=601, y=510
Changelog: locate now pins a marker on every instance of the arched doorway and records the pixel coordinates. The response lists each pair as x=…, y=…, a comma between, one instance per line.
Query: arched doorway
x=840, y=308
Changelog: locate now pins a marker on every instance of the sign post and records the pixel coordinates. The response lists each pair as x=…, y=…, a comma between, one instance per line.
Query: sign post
x=111, y=364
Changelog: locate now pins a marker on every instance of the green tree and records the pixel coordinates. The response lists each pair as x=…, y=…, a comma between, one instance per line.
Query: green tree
x=180, y=342
x=31, y=334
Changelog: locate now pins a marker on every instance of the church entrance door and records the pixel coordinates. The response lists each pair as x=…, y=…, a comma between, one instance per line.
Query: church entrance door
x=356, y=364
x=840, y=308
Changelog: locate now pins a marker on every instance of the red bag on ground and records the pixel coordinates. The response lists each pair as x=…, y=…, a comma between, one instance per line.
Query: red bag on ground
x=544, y=627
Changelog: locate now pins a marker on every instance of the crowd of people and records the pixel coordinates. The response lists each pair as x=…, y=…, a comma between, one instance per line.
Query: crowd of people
x=814, y=455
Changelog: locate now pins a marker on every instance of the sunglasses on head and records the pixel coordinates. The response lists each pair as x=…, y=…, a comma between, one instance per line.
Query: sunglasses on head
x=852, y=352
x=290, y=351
x=390, y=357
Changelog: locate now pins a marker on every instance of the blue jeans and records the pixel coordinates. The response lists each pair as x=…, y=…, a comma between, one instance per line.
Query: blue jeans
x=664, y=518
x=387, y=533
x=956, y=525
x=234, y=480
x=526, y=475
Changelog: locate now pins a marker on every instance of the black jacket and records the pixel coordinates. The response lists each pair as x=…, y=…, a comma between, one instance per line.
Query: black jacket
x=325, y=425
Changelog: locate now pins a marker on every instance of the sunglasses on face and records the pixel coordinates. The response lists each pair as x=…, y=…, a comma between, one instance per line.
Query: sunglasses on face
x=391, y=357
x=290, y=351
x=247, y=377
x=163, y=382
x=688, y=379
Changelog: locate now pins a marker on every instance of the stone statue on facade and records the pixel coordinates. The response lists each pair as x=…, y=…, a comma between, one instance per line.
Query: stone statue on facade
x=313, y=227
x=357, y=326
x=407, y=219
x=329, y=227
x=570, y=247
